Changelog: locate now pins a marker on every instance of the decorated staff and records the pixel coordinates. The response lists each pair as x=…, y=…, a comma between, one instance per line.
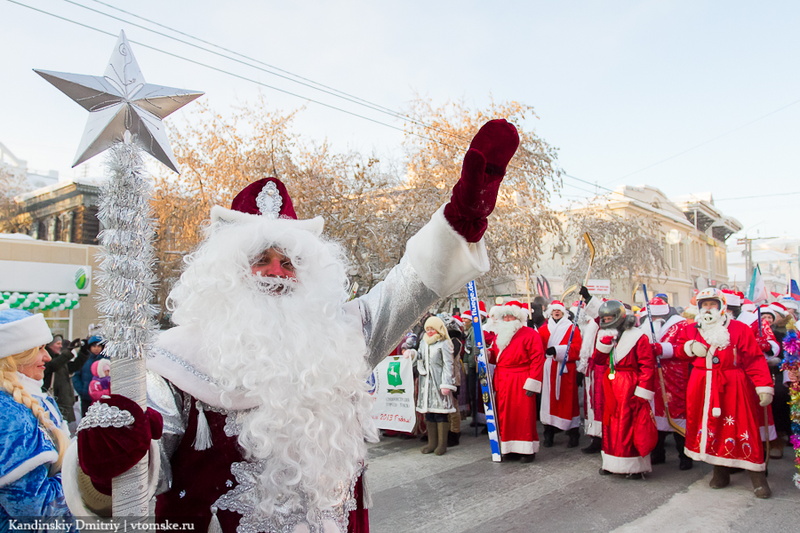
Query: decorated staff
x=791, y=368
x=125, y=116
x=588, y=240
x=484, y=376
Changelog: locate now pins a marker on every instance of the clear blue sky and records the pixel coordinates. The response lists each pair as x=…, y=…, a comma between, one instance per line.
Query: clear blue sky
x=688, y=96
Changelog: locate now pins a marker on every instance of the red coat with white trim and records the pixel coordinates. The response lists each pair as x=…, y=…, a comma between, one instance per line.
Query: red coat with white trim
x=765, y=337
x=632, y=366
x=722, y=423
x=518, y=369
x=671, y=337
x=564, y=412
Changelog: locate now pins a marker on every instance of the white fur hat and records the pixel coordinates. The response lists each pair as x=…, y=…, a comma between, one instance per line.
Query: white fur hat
x=21, y=330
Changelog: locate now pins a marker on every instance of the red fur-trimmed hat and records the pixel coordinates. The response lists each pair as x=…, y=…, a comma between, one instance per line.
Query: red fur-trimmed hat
x=658, y=307
x=514, y=307
x=732, y=298
x=555, y=305
x=264, y=200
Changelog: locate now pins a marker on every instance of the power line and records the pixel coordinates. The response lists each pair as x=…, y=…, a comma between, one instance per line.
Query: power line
x=737, y=128
x=289, y=76
x=757, y=196
x=235, y=75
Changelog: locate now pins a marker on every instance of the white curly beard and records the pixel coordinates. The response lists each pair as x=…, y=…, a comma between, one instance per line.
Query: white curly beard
x=505, y=332
x=293, y=349
x=714, y=327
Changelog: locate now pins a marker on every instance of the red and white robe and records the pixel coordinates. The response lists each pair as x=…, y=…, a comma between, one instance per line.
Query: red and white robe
x=765, y=337
x=518, y=369
x=560, y=410
x=722, y=422
x=633, y=377
x=674, y=370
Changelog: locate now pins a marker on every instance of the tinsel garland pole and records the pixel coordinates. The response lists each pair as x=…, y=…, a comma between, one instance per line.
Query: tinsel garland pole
x=125, y=115
x=791, y=365
x=126, y=286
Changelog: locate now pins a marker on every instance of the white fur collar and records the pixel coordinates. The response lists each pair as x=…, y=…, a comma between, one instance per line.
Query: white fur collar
x=626, y=342
x=31, y=386
x=557, y=330
x=173, y=360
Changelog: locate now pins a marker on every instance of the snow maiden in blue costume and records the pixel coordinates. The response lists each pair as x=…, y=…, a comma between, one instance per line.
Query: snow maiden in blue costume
x=33, y=437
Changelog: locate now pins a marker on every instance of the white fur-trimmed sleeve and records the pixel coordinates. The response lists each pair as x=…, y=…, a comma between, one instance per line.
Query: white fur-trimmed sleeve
x=644, y=393
x=768, y=390
x=775, y=348
x=69, y=478
x=444, y=259
x=532, y=385
x=438, y=262
x=667, y=350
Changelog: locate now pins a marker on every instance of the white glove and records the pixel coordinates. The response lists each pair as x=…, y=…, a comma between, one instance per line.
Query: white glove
x=695, y=349
x=764, y=399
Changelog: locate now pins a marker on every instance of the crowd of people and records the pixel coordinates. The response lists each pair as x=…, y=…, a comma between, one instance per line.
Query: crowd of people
x=705, y=375
x=256, y=422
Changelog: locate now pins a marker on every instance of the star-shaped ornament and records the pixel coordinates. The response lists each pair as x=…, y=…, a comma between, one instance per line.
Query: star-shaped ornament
x=122, y=101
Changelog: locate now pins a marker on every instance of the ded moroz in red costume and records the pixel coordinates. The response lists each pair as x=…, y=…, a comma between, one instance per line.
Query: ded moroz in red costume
x=560, y=410
x=722, y=424
x=628, y=387
x=519, y=358
x=669, y=331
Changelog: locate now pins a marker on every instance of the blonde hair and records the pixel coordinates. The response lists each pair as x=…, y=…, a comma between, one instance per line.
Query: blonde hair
x=10, y=383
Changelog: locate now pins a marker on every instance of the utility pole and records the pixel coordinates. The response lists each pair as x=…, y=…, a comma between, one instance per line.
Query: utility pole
x=748, y=259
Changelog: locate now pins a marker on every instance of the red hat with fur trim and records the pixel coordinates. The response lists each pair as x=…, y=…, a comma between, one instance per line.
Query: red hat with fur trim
x=658, y=307
x=779, y=308
x=555, y=305
x=264, y=200
x=514, y=307
x=732, y=298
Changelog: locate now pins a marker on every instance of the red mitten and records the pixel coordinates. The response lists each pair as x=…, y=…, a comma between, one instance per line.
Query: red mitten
x=765, y=346
x=658, y=350
x=489, y=338
x=113, y=436
x=475, y=194
x=605, y=342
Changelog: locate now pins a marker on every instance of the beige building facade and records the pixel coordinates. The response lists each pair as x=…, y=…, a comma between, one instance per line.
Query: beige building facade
x=693, y=233
x=52, y=271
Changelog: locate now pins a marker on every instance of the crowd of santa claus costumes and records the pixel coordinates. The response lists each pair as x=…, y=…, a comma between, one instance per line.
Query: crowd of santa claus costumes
x=701, y=379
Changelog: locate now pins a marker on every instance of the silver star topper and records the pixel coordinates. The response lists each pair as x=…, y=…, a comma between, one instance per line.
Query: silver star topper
x=121, y=101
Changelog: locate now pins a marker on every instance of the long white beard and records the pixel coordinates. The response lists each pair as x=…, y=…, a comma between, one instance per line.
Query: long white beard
x=505, y=331
x=297, y=353
x=714, y=327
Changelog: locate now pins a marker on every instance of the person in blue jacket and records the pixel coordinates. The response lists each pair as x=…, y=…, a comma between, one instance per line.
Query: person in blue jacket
x=33, y=436
x=90, y=353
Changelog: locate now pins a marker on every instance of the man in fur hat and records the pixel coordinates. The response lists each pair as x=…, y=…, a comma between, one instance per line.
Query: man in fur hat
x=517, y=352
x=264, y=419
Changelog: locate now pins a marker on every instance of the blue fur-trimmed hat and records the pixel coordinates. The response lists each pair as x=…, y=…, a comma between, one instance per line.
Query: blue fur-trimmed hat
x=22, y=330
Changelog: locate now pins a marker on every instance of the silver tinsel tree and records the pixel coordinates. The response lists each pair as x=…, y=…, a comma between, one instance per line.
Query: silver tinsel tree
x=125, y=116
